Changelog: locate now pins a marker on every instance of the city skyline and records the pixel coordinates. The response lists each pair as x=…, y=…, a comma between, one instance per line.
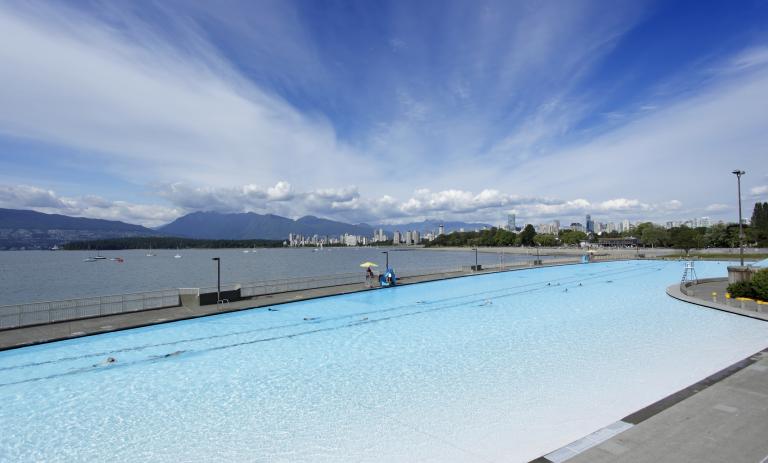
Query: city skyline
x=386, y=113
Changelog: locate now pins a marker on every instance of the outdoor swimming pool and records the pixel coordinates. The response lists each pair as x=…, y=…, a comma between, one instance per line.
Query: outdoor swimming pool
x=501, y=367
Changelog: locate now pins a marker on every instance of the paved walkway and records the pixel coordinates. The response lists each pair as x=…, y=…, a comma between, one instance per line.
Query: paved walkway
x=725, y=422
x=26, y=336
x=701, y=294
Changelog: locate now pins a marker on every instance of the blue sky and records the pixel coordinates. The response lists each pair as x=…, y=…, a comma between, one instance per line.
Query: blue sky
x=384, y=111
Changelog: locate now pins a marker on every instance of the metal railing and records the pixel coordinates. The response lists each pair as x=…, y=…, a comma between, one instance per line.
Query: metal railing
x=37, y=313
x=262, y=288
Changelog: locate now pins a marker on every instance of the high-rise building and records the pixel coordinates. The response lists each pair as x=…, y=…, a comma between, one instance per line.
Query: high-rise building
x=625, y=226
x=415, y=237
x=590, y=225
x=441, y=230
x=396, y=238
x=511, y=222
x=575, y=226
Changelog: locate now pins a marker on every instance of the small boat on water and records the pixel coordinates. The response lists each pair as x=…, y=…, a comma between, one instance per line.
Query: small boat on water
x=177, y=256
x=150, y=253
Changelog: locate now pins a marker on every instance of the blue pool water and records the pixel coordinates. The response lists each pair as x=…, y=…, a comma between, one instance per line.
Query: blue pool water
x=502, y=367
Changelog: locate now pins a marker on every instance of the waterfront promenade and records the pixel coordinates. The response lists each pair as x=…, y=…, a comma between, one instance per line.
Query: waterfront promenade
x=37, y=334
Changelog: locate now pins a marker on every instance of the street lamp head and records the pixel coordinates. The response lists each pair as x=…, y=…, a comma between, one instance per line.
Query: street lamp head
x=738, y=173
x=215, y=258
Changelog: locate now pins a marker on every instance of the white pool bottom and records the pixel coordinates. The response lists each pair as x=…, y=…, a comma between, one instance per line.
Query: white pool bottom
x=491, y=368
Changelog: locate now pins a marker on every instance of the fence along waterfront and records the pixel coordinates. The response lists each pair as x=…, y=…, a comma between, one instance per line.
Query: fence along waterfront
x=39, y=313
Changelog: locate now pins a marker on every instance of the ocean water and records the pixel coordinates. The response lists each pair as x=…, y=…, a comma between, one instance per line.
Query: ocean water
x=498, y=367
x=29, y=276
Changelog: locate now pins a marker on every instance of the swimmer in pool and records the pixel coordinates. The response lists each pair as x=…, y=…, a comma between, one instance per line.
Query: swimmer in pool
x=107, y=361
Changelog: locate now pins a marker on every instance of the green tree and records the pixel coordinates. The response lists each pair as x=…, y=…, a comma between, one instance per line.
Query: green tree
x=652, y=235
x=758, y=232
x=527, y=235
x=683, y=238
x=572, y=237
x=759, y=284
x=545, y=239
x=760, y=216
x=717, y=237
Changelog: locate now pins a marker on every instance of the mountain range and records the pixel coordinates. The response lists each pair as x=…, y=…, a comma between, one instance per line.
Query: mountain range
x=24, y=229
x=249, y=225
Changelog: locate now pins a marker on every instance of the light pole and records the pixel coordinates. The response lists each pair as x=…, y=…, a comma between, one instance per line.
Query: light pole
x=475, y=249
x=218, y=278
x=738, y=174
x=387, y=256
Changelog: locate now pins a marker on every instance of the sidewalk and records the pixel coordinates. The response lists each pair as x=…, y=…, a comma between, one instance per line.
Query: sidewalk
x=701, y=294
x=31, y=335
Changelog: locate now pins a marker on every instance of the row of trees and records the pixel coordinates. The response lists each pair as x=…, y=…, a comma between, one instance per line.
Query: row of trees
x=648, y=235
x=500, y=237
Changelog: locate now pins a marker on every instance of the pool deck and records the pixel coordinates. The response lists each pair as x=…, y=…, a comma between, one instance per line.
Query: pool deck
x=723, y=418
x=39, y=334
x=701, y=294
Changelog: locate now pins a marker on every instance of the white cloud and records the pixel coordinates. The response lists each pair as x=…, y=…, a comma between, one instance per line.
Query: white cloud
x=25, y=196
x=133, y=101
x=717, y=207
x=345, y=204
x=759, y=191
x=183, y=117
x=30, y=197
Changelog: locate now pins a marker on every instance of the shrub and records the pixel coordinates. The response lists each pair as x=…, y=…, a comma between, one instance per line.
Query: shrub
x=760, y=284
x=741, y=289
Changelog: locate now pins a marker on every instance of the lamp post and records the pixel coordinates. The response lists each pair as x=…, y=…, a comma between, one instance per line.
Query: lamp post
x=387, y=257
x=738, y=174
x=218, y=278
x=475, y=249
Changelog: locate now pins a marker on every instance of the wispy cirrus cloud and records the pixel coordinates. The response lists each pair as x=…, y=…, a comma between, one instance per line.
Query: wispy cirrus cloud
x=145, y=108
x=260, y=108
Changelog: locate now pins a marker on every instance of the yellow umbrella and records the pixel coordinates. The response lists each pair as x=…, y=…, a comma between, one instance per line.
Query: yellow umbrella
x=368, y=264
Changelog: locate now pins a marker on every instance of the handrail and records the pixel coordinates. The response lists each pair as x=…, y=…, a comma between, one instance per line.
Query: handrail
x=44, y=312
